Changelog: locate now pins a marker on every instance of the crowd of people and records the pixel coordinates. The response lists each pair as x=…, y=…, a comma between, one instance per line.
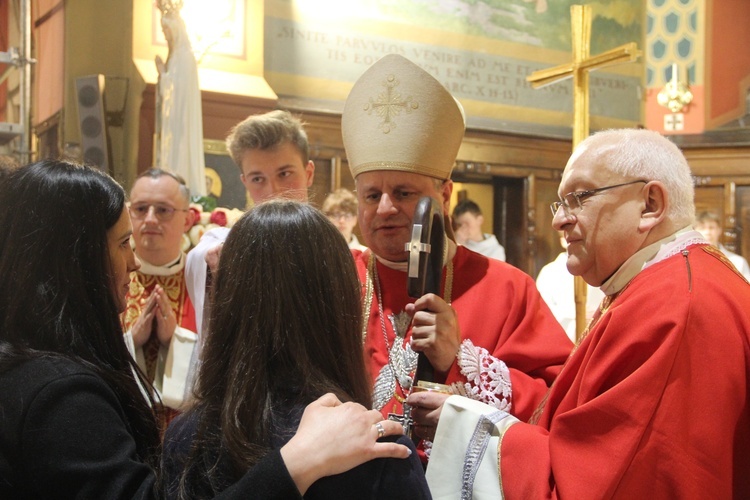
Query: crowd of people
x=277, y=359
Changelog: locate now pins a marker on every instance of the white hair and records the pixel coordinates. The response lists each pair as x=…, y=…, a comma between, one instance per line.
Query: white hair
x=645, y=154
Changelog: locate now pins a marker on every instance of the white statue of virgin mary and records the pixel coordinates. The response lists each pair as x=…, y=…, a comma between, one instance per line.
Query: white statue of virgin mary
x=180, y=147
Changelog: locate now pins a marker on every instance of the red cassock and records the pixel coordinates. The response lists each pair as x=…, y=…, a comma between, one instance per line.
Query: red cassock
x=654, y=402
x=499, y=309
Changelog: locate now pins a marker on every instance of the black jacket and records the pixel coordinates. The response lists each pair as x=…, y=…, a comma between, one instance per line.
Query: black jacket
x=383, y=478
x=63, y=434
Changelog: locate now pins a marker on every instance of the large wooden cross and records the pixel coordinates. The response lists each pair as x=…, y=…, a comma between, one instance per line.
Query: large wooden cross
x=579, y=70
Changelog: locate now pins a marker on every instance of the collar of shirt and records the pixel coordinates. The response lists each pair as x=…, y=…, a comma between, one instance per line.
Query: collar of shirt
x=169, y=269
x=404, y=265
x=650, y=255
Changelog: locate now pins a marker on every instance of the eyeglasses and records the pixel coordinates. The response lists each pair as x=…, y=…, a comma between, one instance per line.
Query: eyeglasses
x=571, y=202
x=163, y=213
x=339, y=215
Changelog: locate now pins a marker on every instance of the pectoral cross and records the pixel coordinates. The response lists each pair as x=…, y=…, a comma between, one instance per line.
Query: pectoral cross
x=404, y=419
x=579, y=70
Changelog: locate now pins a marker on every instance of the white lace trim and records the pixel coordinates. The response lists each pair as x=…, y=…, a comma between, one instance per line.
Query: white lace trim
x=650, y=255
x=678, y=247
x=488, y=378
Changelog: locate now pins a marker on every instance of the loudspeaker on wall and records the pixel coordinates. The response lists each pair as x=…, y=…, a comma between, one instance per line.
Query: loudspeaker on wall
x=92, y=122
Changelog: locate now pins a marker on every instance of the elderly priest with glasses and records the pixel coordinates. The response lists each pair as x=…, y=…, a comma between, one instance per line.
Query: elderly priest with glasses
x=160, y=319
x=653, y=403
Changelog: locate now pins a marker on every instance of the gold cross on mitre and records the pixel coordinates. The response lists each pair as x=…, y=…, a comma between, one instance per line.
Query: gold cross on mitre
x=579, y=69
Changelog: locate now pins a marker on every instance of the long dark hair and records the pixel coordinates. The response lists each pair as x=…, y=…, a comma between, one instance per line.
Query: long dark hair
x=285, y=327
x=56, y=298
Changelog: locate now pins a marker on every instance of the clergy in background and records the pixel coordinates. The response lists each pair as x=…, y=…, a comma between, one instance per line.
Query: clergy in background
x=468, y=220
x=709, y=225
x=341, y=208
x=160, y=320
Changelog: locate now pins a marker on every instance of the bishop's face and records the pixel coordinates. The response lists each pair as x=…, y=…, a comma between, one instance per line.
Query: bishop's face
x=387, y=201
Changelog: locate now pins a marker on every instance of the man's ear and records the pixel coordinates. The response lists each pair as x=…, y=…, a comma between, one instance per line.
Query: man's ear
x=310, y=172
x=656, y=205
x=189, y=220
x=447, y=191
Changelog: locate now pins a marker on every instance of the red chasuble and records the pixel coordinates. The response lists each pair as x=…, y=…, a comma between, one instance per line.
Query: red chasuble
x=141, y=287
x=499, y=309
x=654, y=403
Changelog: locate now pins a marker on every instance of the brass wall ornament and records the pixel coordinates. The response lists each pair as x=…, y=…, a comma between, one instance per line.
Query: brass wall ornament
x=676, y=94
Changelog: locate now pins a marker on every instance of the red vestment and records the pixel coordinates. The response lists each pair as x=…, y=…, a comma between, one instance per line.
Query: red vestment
x=499, y=309
x=141, y=287
x=654, y=402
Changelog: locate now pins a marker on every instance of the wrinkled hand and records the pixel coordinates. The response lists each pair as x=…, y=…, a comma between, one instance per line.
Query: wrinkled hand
x=166, y=320
x=425, y=410
x=212, y=258
x=334, y=437
x=435, y=330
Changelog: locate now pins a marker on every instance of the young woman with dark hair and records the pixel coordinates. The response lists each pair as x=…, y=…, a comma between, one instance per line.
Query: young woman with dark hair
x=286, y=328
x=74, y=418
x=67, y=385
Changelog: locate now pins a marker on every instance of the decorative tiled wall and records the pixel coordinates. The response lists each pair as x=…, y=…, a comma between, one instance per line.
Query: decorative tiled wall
x=674, y=34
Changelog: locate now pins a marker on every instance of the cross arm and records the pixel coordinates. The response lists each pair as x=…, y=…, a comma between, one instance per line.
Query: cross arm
x=624, y=53
x=547, y=76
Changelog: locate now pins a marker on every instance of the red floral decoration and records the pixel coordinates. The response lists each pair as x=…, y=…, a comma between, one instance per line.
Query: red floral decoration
x=219, y=218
